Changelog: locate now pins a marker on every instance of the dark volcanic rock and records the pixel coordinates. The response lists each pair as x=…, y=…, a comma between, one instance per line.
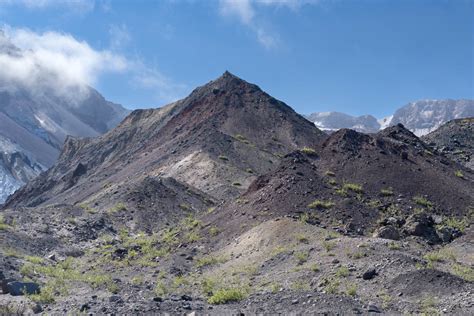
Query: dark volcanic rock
x=16, y=288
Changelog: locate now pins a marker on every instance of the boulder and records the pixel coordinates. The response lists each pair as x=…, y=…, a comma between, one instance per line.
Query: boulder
x=369, y=274
x=17, y=288
x=421, y=225
x=387, y=232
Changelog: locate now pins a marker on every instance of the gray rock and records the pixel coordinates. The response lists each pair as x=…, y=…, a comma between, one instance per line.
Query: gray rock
x=17, y=288
x=373, y=309
x=387, y=232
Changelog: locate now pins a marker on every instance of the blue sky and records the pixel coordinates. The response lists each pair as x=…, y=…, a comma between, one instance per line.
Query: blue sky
x=353, y=56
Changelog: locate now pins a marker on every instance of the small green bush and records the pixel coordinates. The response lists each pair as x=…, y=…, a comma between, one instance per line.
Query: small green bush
x=321, y=204
x=459, y=174
x=386, y=192
x=354, y=187
x=301, y=257
x=342, y=272
x=420, y=200
x=308, y=151
x=227, y=295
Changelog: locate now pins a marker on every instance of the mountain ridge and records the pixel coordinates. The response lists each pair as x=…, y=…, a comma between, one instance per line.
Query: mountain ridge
x=421, y=117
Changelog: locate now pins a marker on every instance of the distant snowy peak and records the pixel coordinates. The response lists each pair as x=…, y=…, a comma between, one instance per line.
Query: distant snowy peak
x=421, y=117
x=331, y=121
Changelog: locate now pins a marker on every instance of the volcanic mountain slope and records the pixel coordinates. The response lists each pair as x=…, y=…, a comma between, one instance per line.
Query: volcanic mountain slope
x=126, y=224
x=455, y=139
x=354, y=181
x=216, y=140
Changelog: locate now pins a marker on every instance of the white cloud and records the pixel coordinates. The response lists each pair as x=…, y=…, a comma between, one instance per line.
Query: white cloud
x=52, y=60
x=58, y=62
x=247, y=10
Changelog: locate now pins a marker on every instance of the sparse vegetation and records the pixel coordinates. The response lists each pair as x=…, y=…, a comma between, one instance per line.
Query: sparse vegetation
x=242, y=139
x=3, y=225
x=456, y=223
x=226, y=295
x=342, y=272
x=315, y=267
x=213, y=231
x=302, y=238
x=421, y=200
x=351, y=289
x=300, y=285
x=393, y=246
x=330, y=174
x=354, y=187
x=222, y=157
x=321, y=204
x=118, y=207
x=459, y=174
x=209, y=260
x=329, y=245
x=464, y=272
x=386, y=192
x=309, y=218
x=301, y=257
x=428, y=305
x=308, y=151
x=332, y=182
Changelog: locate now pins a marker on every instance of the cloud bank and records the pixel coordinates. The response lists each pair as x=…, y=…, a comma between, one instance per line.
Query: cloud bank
x=52, y=60
x=58, y=63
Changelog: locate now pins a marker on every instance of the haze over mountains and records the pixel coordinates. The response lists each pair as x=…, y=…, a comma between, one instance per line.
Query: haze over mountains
x=228, y=201
x=421, y=117
x=37, y=114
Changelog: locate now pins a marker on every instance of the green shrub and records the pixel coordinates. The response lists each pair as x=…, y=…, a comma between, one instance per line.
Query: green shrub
x=464, y=272
x=227, y=295
x=302, y=238
x=213, y=231
x=420, y=200
x=386, y=192
x=315, y=267
x=301, y=257
x=459, y=224
x=351, y=289
x=342, y=272
x=118, y=207
x=308, y=151
x=459, y=174
x=321, y=204
x=242, y=139
x=209, y=260
x=329, y=245
x=354, y=187
x=3, y=225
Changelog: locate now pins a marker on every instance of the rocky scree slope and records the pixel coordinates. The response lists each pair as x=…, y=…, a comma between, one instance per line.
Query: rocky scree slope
x=217, y=140
x=455, y=139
